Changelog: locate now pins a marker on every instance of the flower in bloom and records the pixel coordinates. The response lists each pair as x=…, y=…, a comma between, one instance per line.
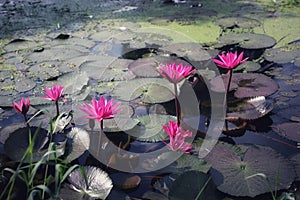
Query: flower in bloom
x=54, y=93
x=177, y=137
x=22, y=107
x=230, y=60
x=175, y=73
x=100, y=109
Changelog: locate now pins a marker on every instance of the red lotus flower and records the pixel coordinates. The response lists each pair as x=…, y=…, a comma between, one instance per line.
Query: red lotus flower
x=230, y=60
x=54, y=93
x=177, y=137
x=175, y=73
x=22, y=107
x=100, y=109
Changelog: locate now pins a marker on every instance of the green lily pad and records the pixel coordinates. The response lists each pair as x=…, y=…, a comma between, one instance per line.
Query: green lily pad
x=146, y=90
x=256, y=171
x=248, y=66
x=191, y=51
x=45, y=70
x=144, y=67
x=106, y=87
x=188, y=185
x=289, y=130
x=248, y=40
x=59, y=52
x=150, y=128
x=98, y=185
x=24, y=84
x=80, y=142
x=192, y=162
x=67, y=81
x=16, y=144
x=20, y=44
x=239, y=22
x=283, y=54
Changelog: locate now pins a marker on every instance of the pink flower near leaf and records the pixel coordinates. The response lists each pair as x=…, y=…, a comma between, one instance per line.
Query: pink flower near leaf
x=230, y=60
x=175, y=73
x=100, y=109
x=54, y=93
x=22, y=107
x=177, y=137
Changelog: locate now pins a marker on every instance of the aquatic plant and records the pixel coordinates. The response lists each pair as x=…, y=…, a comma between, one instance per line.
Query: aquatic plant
x=176, y=73
x=177, y=136
x=22, y=107
x=54, y=94
x=99, y=110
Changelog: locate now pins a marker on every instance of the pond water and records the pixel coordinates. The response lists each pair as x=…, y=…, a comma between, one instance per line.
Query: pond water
x=113, y=49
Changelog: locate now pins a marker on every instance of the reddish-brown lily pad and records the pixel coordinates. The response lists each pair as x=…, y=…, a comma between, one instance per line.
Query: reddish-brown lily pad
x=246, y=85
x=289, y=130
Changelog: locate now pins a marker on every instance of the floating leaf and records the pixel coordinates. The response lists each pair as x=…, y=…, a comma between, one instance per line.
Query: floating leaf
x=259, y=170
x=79, y=143
x=248, y=66
x=191, y=51
x=237, y=22
x=18, y=141
x=188, y=186
x=283, y=54
x=150, y=128
x=145, y=67
x=289, y=130
x=191, y=162
x=146, y=90
x=24, y=84
x=154, y=196
x=249, y=109
x=248, y=40
x=20, y=44
x=98, y=183
x=296, y=160
x=125, y=181
x=67, y=80
x=246, y=85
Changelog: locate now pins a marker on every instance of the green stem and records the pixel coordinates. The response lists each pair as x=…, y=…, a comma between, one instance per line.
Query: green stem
x=229, y=73
x=177, y=104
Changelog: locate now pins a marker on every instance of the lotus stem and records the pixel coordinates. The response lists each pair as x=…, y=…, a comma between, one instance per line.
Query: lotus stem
x=57, y=108
x=100, y=136
x=177, y=104
x=226, y=94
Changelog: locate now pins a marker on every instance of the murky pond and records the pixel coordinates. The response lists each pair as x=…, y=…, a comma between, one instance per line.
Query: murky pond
x=149, y=99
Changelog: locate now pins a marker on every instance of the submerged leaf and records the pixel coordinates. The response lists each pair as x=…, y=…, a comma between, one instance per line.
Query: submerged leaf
x=98, y=183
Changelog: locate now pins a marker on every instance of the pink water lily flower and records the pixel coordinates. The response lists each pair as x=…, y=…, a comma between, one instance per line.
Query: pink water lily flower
x=23, y=106
x=175, y=73
x=100, y=109
x=54, y=93
x=177, y=137
x=230, y=60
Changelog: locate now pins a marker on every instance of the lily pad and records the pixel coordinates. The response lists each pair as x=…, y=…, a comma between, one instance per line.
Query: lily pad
x=191, y=51
x=256, y=171
x=146, y=90
x=145, y=67
x=248, y=66
x=283, y=54
x=98, y=183
x=289, y=130
x=250, y=109
x=192, y=162
x=248, y=40
x=45, y=70
x=125, y=181
x=296, y=160
x=16, y=144
x=20, y=44
x=188, y=185
x=79, y=143
x=246, y=85
x=67, y=80
x=150, y=128
x=238, y=22
x=24, y=84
